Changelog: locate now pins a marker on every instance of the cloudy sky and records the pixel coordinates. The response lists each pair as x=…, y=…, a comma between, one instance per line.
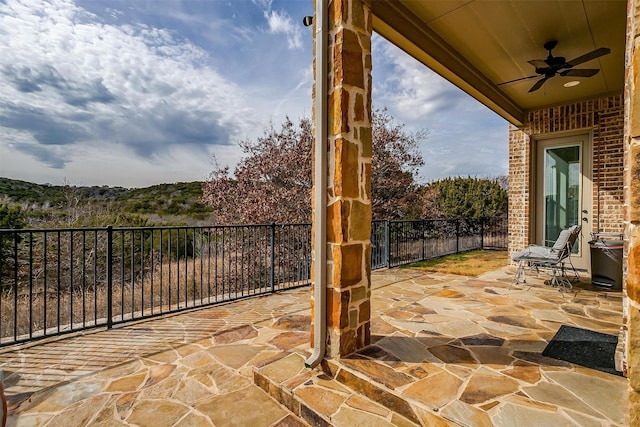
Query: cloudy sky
x=135, y=93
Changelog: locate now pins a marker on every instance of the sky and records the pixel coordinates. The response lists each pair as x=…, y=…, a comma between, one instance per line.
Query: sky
x=135, y=93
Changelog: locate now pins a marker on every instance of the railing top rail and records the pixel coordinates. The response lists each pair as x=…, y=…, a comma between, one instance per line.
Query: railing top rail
x=219, y=226
x=146, y=228
x=49, y=230
x=438, y=219
x=207, y=227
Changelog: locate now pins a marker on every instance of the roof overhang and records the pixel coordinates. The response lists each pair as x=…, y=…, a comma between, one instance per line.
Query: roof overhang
x=480, y=46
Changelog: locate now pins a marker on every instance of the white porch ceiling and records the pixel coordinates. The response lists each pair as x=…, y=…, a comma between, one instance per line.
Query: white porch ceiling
x=479, y=44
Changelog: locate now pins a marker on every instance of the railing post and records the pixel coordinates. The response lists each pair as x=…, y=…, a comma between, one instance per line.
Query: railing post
x=109, y=277
x=273, y=255
x=423, y=238
x=15, y=288
x=387, y=246
x=457, y=235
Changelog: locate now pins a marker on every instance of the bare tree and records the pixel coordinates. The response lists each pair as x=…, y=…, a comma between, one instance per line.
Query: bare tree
x=73, y=202
x=273, y=182
x=503, y=181
x=395, y=164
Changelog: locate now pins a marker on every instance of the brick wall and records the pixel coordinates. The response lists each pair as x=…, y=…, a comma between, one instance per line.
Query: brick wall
x=604, y=119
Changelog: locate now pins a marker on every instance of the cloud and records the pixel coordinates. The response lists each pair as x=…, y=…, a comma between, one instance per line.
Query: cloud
x=46, y=129
x=264, y=4
x=68, y=78
x=130, y=93
x=415, y=90
x=52, y=157
x=28, y=80
x=457, y=123
x=280, y=22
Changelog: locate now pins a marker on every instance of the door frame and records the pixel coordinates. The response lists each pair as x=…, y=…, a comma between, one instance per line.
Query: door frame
x=581, y=260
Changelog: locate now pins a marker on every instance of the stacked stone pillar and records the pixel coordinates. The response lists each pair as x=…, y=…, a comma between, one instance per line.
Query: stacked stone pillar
x=348, y=177
x=632, y=220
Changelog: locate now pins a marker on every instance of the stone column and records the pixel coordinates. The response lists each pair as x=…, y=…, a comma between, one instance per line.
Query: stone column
x=632, y=216
x=348, y=177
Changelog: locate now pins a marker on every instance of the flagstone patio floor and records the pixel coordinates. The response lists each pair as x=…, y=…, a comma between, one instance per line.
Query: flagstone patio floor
x=446, y=350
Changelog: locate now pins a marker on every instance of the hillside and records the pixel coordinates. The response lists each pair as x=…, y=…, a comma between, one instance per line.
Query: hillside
x=24, y=192
x=173, y=203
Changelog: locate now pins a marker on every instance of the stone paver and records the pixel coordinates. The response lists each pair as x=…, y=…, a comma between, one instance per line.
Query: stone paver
x=189, y=369
x=469, y=353
x=446, y=350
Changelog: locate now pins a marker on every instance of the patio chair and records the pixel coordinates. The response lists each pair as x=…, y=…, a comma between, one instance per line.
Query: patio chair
x=553, y=259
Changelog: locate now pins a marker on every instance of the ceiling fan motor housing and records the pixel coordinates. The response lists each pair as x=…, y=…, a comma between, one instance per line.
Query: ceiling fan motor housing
x=554, y=65
x=557, y=61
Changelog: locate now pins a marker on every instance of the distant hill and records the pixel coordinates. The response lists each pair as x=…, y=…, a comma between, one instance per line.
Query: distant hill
x=175, y=201
x=52, y=195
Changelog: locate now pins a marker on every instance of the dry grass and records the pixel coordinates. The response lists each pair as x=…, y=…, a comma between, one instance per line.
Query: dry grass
x=471, y=263
x=164, y=288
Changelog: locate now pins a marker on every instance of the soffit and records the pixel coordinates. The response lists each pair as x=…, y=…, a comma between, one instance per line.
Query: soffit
x=480, y=44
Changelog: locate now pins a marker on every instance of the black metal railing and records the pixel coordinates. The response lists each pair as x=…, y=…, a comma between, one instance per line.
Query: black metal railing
x=395, y=243
x=54, y=281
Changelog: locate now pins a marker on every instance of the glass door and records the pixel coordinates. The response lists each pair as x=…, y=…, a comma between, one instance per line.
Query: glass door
x=562, y=191
x=563, y=187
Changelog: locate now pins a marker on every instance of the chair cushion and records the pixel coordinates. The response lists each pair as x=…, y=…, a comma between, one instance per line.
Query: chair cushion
x=552, y=253
x=535, y=252
x=563, y=239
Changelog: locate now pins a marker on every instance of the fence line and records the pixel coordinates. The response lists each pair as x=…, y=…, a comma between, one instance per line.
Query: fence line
x=396, y=243
x=55, y=281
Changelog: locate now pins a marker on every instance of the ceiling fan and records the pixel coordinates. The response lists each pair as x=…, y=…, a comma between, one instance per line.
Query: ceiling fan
x=558, y=65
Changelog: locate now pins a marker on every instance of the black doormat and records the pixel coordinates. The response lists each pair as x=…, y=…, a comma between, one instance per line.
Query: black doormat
x=583, y=347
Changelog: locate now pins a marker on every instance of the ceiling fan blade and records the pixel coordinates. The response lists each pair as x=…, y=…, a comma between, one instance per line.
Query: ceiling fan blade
x=517, y=80
x=588, y=57
x=584, y=72
x=538, y=84
x=538, y=63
